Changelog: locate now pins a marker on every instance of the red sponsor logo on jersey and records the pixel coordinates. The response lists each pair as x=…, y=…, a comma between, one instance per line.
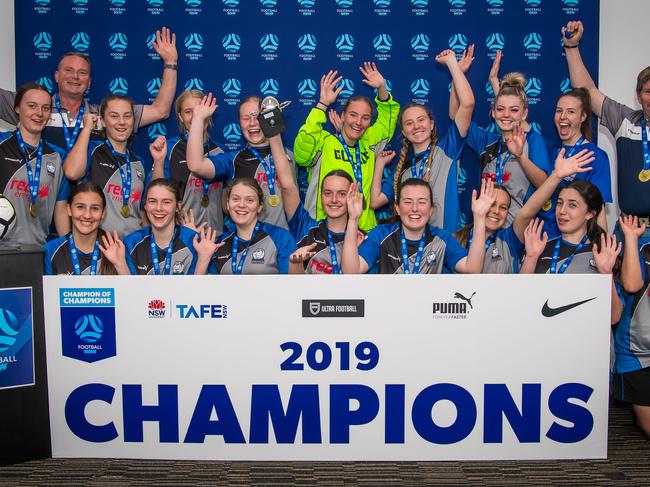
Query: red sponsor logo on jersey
x=262, y=179
x=197, y=183
x=115, y=192
x=21, y=190
x=319, y=267
x=493, y=176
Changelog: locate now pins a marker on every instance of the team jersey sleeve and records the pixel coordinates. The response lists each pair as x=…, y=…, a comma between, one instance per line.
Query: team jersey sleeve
x=285, y=246
x=537, y=152
x=384, y=126
x=454, y=251
x=64, y=185
x=452, y=142
x=388, y=184
x=310, y=138
x=300, y=223
x=7, y=112
x=600, y=175
x=478, y=138
x=92, y=145
x=49, y=248
x=613, y=113
x=370, y=248
x=515, y=245
x=223, y=166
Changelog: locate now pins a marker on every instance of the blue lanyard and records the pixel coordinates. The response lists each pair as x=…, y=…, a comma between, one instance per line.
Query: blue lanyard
x=418, y=256
x=168, y=255
x=237, y=267
x=69, y=139
x=488, y=241
x=355, y=163
x=419, y=174
x=269, y=168
x=33, y=177
x=500, y=166
x=335, y=262
x=573, y=148
x=75, y=257
x=125, y=174
x=567, y=262
x=644, y=139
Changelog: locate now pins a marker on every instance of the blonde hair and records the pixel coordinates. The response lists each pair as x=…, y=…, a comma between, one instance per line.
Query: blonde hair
x=513, y=84
x=198, y=94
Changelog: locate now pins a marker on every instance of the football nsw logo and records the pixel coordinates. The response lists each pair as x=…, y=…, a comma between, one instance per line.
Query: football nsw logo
x=457, y=43
x=43, y=44
x=382, y=44
x=194, y=84
x=307, y=44
x=118, y=86
x=307, y=91
x=80, y=41
x=270, y=87
x=347, y=90
x=269, y=43
x=420, y=89
x=420, y=7
x=231, y=45
x=533, y=45
x=345, y=46
x=16, y=338
x=232, y=133
x=156, y=130
x=118, y=42
x=194, y=45
x=231, y=90
x=88, y=323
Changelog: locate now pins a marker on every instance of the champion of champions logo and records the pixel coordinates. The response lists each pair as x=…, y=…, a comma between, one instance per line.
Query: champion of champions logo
x=456, y=308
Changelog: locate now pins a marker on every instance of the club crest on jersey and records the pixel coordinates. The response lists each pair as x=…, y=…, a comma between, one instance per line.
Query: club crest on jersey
x=51, y=168
x=495, y=254
x=258, y=256
x=431, y=257
x=592, y=264
x=178, y=268
x=139, y=174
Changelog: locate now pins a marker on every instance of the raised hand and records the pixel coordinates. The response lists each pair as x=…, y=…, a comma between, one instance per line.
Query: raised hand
x=355, y=202
x=606, y=253
x=328, y=90
x=446, y=57
x=466, y=59
x=186, y=218
x=534, y=240
x=572, y=33
x=205, y=109
x=482, y=203
x=205, y=243
x=303, y=254
x=567, y=166
x=90, y=120
x=630, y=226
x=113, y=249
x=493, y=77
x=384, y=159
x=158, y=148
x=516, y=141
x=165, y=46
x=335, y=119
x=372, y=76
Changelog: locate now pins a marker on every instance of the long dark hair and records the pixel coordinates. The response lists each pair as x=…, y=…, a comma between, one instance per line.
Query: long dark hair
x=582, y=95
x=20, y=92
x=462, y=234
x=592, y=197
x=104, y=105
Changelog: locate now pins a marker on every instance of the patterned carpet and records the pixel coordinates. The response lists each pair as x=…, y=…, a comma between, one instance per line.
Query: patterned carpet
x=628, y=464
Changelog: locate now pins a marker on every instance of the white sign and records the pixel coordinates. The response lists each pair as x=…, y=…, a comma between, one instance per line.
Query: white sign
x=329, y=368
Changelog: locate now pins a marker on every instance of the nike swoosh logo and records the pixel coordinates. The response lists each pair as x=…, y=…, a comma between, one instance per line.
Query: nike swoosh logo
x=550, y=312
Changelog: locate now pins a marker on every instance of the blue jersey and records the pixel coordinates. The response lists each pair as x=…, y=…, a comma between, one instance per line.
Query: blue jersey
x=442, y=176
x=266, y=253
x=582, y=262
x=632, y=334
x=504, y=253
x=140, y=259
x=58, y=258
x=486, y=145
x=383, y=248
x=599, y=176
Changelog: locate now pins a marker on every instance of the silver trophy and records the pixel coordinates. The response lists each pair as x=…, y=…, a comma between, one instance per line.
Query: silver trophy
x=270, y=116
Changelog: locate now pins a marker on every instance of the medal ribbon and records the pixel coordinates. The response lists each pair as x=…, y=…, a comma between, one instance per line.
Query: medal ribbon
x=33, y=177
x=419, y=174
x=418, y=256
x=269, y=168
x=69, y=139
x=355, y=163
x=335, y=262
x=237, y=267
x=168, y=254
x=567, y=262
x=488, y=241
x=75, y=257
x=125, y=174
x=644, y=140
x=499, y=165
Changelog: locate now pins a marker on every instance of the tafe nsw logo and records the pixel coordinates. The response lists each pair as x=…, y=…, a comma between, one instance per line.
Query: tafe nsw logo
x=80, y=41
x=88, y=323
x=333, y=308
x=156, y=308
x=202, y=311
x=458, y=308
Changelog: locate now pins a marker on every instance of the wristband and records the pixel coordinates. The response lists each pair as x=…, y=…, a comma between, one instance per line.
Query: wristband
x=571, y=47
x=323, y=105
x=171, y=66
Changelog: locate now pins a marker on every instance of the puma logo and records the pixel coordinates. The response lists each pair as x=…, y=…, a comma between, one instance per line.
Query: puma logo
x=468, y=300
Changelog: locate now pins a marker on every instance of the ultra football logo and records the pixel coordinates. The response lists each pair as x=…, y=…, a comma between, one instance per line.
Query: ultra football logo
x=88, y=323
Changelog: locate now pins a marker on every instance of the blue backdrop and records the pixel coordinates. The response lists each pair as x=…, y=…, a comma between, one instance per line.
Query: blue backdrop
x=237, y=48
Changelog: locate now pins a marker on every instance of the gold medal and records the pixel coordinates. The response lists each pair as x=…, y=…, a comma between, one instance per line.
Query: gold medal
x=644, y=175
x=33, y=210
x=204, y=201
x=125, y=211
x=548, y=205
x=273, y=199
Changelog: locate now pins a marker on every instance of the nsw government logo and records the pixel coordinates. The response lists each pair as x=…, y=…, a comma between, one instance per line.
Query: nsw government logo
x=344, y=45
x=457, y=308
x=80, y=7
x=155, y=7
x=307, y=45
x=533, y=44
x=157, y=308
x=152, y=52
x=80, y=41
x=117, y=7
x=193, y=7
x=231, y=90
x=306, y=7
x=382, y=44
x=457, y=7
x=43, y=44
x=87, y=323
x=382, y=7
x=420, y=44
x=118, y=43
x=41, y=6
x=268, y=7
x=194, y=44
x=333, y=308
x=230, y=7
x=533, y=7
x=420, y=90
x=307, y=91
x=231, y=44
x=495, y=7
x=16, y=338
x=420, y=7
x=344, y=7
x=269, y=44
